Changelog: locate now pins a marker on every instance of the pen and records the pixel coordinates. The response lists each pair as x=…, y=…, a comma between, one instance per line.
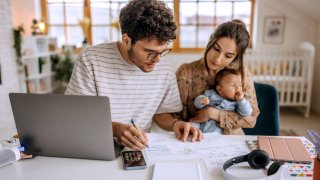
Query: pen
x=134, y=125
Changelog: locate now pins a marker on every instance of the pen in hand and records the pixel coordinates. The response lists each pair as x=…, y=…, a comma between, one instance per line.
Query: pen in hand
x=134, y=125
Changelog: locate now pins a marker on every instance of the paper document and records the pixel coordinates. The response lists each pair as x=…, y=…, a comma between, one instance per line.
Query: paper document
x=176, y=170
x=164, y=147
x=214, y=150
x=214, y=158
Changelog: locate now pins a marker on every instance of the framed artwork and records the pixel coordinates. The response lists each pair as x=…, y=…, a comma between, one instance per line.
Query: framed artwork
x=273, y=31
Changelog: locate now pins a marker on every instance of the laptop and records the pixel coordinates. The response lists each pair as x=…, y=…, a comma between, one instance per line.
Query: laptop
x=64, y=125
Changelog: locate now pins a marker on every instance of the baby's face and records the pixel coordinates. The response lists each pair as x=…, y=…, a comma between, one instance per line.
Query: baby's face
x=229, y=86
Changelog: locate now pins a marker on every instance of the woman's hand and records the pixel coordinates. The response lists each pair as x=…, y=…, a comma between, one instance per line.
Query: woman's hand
x=184, y=129
x=129, y=136
x=205, y=114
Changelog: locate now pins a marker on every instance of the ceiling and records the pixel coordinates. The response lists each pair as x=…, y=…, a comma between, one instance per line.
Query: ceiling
x=309, y=7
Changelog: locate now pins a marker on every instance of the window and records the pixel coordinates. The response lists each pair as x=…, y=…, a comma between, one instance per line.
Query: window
x=196, y=19
x=62, y=19
x=104, y=16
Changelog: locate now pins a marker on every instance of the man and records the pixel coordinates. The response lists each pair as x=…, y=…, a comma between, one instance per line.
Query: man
x=130, y=73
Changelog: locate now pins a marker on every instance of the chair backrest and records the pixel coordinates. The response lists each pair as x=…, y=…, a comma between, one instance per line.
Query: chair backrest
x=269, y=117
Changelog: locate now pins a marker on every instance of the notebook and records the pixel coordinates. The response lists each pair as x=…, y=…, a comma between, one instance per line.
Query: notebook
x=284, y=149
x=176, y=170
x=64, y=126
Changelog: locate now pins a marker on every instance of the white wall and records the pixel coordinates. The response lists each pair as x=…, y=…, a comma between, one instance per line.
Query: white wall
x=298, y=26
x=10, y=81
x=12, y=14
x=24, y=11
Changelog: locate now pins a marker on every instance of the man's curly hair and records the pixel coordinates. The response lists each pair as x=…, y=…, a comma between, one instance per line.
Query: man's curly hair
x=148, y=19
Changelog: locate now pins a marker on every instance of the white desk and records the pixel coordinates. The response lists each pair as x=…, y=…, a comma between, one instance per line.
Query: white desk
x=50, y=168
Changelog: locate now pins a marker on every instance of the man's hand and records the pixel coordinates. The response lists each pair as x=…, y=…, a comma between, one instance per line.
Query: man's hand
x=239, y=95
x=184, y=129
x=129, y=136
x=204, y=101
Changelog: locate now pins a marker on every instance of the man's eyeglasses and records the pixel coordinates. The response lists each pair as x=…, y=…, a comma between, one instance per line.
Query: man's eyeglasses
x=155, y=54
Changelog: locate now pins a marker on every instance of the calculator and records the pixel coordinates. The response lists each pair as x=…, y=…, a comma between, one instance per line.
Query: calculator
x=133, y=160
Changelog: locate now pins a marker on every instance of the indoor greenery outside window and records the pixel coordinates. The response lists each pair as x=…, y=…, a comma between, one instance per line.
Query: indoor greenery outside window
x=196, y=19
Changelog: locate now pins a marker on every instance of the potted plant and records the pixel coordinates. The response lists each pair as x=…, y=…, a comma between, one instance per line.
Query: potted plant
x=62, y=68
x=17, y=34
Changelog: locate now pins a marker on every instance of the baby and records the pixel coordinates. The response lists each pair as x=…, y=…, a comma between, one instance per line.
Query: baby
x=226, y=95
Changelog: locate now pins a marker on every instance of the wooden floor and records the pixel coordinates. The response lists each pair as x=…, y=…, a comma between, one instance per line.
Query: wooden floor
x=293, y=122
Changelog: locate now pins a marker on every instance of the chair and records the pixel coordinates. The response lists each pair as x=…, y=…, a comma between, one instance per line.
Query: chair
x=269, y=117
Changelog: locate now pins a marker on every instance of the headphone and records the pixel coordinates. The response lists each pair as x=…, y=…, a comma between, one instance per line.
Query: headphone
x=257, y=159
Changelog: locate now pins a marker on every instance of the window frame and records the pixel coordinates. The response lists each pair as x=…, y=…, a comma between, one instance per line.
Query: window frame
x=64, y=25
x=176, y=4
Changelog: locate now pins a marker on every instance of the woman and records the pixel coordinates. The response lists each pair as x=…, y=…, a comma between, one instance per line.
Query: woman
x=225, y=48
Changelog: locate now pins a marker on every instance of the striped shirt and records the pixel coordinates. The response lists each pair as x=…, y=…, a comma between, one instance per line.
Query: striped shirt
x=101, y=71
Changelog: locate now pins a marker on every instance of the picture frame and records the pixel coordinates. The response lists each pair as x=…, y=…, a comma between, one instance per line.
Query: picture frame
x=273, y=31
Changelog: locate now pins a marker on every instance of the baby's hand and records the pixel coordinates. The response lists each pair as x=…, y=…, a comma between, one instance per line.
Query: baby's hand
x=239, y=95
x=204, y=101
